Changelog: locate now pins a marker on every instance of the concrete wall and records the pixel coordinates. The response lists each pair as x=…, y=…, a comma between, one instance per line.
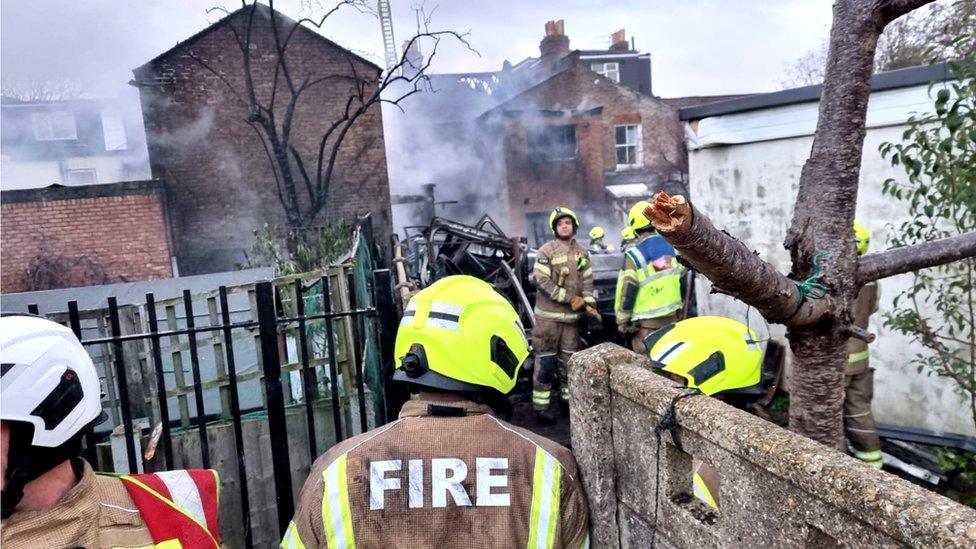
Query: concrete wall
x=776, y=488
x=749, y=190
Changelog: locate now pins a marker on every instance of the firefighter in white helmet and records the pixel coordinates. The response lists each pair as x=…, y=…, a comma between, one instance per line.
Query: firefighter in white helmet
x=50, y=400
x=447, y=473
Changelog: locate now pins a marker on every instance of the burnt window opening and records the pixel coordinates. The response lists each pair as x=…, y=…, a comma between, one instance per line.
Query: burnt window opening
x=54, y=126
x=628, y=144
x=553, y=143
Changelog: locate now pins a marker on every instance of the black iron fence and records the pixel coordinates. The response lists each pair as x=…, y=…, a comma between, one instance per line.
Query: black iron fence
x=332, y=349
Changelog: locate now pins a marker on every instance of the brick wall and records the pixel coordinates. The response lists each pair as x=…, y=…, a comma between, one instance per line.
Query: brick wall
x=100, y=233
x=594, y=105
x=220, y=183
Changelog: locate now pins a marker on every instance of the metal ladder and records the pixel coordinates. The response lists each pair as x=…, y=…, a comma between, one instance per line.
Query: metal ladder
x=386, y=25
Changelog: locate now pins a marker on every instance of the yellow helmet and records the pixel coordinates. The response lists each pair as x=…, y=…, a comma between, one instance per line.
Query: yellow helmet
x=627, y=234
x=460, y=335
x=636, y=218
x=712, y=353
x=597, y=232
x=863, y=236
x=560, y=212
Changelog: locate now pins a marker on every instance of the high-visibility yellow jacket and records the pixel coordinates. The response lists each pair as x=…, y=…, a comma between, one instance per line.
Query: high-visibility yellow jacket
x=643, y=291
x=446, y=475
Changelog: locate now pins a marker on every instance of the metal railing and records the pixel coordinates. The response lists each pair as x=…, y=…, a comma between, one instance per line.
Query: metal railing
x=293, y=316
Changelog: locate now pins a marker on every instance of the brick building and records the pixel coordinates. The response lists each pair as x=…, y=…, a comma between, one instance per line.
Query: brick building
x=570, y=127
x=77, y=236
x=580, y=140
x=219, y=180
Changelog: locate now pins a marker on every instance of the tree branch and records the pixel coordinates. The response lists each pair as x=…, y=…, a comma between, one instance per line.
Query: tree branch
x=729, y=264
x=912, y=258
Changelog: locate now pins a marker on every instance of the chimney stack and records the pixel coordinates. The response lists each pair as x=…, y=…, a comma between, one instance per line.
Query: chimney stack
x=413, y=59
x=618, y=41
x=555, y=42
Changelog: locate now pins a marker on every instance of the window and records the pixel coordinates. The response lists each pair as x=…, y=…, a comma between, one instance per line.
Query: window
x=629, y=148
x=610, y=70
x=552, y=143
x=113, y=131
x=54, y=126
x=81, y=176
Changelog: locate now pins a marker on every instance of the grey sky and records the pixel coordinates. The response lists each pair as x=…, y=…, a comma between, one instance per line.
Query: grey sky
x=698, y=46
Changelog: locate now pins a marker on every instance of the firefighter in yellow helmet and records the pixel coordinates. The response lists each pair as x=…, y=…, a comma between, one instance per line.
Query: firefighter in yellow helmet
x=858, y=376
x=564, y=279
x=649, y=285
x=627, y=238
x=597, y=245
x=447, y=467
x=718, y=356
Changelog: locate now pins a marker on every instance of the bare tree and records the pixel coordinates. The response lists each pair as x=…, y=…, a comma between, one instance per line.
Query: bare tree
x=914, y=39
x=814, y=299
x=807, y=70
x=270, y=102
x=40, y=89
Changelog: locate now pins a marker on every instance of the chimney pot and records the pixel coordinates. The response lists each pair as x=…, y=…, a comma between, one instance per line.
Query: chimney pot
x=618, y=41
x=555, y=41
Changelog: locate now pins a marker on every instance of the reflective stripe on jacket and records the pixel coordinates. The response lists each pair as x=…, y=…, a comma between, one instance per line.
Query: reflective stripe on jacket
x=562, y=271
x=658, y=293
x=446, y=474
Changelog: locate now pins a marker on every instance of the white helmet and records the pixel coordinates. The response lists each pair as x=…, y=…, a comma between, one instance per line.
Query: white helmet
x=47, y=379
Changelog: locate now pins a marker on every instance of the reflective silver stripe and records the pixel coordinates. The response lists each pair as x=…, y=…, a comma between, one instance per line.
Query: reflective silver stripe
x=292, y=540
x=658, y=276
x=184, y=492
x=555, y=316
x=660, y=311
x=544, y=513
x=336, y=516
x=670, y=351
x=444, y=316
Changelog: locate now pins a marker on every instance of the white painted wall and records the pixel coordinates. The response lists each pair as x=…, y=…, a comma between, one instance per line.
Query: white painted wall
x=748, y=189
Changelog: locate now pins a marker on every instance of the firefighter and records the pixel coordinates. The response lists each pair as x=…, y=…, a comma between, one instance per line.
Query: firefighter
x=649, y=286
x=447, y=473
x=597, y=245
x=51, y=497
x=627, y=238
x=858, y=376
x=718, y=356
x=564, y=279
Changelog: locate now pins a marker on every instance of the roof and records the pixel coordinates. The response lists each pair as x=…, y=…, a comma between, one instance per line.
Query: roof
x=462, y=97
x=902, y=78
x=259, y=9
x=695, y=100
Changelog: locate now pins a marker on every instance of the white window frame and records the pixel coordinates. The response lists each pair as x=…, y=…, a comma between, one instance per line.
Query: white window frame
x=92, y=171
x=638, y=146
x=610, y=70
x=46, y=126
